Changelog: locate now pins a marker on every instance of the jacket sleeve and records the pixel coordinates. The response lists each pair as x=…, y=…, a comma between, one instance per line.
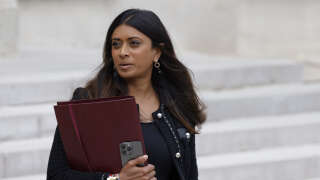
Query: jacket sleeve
x=58, y=168
x=194, y=166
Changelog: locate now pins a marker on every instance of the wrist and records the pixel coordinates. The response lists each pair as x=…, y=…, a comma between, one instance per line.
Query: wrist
x=117, y=176
x=107, y=176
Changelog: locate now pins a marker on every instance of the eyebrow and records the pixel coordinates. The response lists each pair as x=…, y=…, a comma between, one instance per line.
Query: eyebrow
x=130, y=38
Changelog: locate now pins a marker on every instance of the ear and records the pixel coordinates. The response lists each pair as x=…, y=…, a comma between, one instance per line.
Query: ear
x=158, y=53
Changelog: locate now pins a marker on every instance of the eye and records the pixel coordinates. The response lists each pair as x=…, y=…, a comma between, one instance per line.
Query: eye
x=115, y=44
x=134, y=43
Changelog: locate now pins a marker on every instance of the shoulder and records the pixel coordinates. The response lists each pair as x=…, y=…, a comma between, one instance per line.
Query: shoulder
x=80, y=93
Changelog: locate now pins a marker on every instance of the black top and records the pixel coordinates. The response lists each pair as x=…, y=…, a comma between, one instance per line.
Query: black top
x=157, y=151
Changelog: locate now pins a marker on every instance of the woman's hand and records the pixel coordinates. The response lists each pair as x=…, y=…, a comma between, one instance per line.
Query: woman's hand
x=132, y=172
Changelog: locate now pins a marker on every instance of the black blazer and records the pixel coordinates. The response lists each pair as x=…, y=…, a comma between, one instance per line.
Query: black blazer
x=186, y=164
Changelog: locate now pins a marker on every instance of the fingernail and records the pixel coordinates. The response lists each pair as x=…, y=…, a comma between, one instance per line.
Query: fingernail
x=145, y=157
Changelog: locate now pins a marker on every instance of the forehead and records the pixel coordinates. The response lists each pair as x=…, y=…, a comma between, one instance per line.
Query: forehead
x=125, y=32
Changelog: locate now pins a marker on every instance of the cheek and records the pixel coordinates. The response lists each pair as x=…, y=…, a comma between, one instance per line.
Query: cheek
x=114, y=55
x=143, y=61
x=143, y=56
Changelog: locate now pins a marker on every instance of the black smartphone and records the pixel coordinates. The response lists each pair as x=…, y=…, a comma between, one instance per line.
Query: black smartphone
x=130, y=150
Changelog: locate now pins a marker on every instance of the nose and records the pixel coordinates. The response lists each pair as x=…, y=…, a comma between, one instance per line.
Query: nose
x=124, y=51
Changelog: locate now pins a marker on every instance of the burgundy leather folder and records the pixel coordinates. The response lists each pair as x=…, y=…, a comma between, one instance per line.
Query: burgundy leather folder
x=91, y=131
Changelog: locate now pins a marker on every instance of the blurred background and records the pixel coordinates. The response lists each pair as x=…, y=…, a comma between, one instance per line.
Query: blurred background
x=255, y=62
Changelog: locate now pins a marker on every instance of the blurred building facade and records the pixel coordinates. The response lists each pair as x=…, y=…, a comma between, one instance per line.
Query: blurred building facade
x=259, y=28
x=255, y=65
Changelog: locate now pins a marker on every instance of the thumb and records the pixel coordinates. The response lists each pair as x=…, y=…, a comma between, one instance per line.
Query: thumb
x=138, y=160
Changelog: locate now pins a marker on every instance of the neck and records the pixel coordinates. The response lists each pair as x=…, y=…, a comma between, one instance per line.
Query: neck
x=140, y=89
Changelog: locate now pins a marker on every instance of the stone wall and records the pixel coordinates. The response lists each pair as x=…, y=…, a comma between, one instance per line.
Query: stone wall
x=263, y=28
x=8, y=28
x=279, y=28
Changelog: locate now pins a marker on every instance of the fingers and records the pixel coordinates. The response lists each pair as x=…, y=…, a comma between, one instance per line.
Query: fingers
x=139, y=160
x=132, y=171
x=150, y=175
x=147, y=169
x=143, y=171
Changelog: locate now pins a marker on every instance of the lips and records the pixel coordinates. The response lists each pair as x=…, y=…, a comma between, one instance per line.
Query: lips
x=125, y=66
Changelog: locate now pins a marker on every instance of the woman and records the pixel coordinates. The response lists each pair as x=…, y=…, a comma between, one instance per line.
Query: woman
x=139, y=60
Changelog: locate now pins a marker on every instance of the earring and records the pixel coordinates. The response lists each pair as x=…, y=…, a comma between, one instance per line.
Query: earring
x=157, y=66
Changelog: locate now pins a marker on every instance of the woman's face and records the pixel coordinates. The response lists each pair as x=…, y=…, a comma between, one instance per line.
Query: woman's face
x=132, y=53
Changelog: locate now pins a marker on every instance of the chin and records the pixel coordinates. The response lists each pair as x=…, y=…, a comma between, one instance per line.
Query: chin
x=127, y=75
